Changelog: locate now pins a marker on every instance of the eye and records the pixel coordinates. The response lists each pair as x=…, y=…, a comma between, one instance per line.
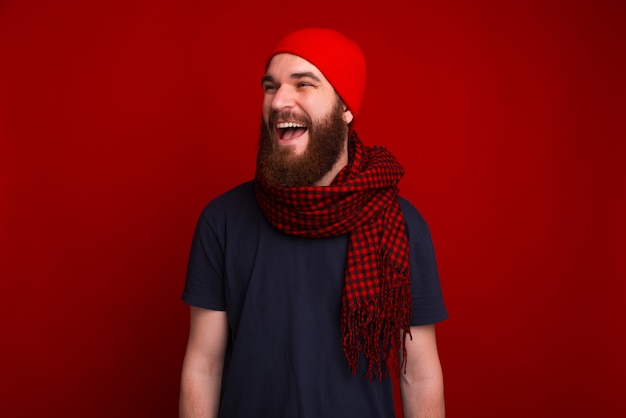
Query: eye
x=268, y=87
x=304, y=84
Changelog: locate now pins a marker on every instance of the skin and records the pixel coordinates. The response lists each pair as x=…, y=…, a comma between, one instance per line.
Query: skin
x=421, y=386
x=293, y=84
x=201, y=376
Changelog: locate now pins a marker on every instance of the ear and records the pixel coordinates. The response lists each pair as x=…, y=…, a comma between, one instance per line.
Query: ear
x=347, y=116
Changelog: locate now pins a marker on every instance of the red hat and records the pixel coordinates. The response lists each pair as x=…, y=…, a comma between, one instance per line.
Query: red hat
x=340, y=60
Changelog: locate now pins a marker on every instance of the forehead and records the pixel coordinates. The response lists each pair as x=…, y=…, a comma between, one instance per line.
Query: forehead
x=286, y=65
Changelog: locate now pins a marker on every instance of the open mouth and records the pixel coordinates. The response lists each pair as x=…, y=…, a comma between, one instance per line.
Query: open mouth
x=290, y=130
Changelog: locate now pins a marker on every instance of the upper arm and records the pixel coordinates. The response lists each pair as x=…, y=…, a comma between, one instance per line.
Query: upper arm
x=204, y=362
x=422, y=356
x=208, y=338
x=428, y=303
x=422, y=384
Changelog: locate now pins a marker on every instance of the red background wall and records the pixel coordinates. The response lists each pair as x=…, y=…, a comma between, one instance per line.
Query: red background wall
x=119, y=120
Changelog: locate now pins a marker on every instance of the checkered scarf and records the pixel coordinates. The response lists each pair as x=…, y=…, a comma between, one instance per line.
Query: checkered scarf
x=361, y=201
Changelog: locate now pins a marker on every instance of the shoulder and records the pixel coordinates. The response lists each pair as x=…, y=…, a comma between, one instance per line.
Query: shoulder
x=230, y=207
x=415, y=223
x=237, y=198
x=241, y=194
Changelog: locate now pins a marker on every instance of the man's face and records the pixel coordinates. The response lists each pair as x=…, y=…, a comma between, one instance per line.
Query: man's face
x=304, y=125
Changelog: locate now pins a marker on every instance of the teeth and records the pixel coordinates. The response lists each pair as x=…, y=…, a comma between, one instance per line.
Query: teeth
x=285, y=125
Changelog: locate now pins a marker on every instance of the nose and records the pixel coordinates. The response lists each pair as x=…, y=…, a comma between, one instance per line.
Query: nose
x=284, y=98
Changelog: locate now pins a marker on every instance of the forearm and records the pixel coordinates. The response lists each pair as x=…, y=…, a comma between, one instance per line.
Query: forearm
x=200, y=393
x=422, y=398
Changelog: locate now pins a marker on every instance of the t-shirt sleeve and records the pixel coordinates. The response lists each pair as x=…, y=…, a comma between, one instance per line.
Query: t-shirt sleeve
x=428, y=302
x=204, y=284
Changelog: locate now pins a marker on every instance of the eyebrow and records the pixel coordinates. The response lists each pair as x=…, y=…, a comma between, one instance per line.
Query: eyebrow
x=267, y=78
x=295, y=76
x=307, y=74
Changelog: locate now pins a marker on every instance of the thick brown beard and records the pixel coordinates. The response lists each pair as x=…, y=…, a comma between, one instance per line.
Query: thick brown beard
x=327, y=140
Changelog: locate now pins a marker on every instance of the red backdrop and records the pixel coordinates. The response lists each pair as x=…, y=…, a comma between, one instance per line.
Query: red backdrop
x=119, y=120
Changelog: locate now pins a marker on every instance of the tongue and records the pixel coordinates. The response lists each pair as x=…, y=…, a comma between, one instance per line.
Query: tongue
x=292, y=133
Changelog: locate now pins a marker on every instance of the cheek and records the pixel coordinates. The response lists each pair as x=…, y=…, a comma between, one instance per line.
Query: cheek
x=318, y=108
x=267, y=107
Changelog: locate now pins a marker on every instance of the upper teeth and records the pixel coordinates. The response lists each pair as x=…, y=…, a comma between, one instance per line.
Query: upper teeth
x=285, y=125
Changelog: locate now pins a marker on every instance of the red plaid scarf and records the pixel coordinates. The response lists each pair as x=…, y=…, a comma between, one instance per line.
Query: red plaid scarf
x=361, y=201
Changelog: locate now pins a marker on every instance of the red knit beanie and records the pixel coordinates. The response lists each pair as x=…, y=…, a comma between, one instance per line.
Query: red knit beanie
x=340, y=60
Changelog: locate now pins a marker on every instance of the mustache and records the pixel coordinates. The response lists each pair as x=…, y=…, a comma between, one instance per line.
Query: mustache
x=276, y=115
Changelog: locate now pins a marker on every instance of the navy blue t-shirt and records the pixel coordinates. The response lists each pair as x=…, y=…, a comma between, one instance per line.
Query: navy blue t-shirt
x=282, y=295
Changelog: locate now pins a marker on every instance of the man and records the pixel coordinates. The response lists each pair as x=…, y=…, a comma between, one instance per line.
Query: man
x=315, y=283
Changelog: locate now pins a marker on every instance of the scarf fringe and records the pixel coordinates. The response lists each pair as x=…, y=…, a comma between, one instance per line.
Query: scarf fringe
x=372, y=327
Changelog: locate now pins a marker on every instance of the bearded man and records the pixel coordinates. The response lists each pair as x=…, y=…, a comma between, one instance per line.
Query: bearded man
x=314, y=284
